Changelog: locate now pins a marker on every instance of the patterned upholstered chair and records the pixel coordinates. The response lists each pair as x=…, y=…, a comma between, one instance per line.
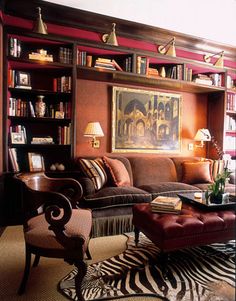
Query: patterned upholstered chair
x=54, y=226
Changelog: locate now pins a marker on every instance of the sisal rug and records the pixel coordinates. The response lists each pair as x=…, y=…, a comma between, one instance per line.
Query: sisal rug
x=203, y=273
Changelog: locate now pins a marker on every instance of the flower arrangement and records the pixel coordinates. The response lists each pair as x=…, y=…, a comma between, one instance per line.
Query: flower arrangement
x=216, y=190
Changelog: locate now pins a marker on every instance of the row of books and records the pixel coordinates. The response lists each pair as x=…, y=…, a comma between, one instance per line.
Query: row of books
x=230, y=123
x=14, y=47
x=17, y=135
x=64, y=135
x=65, y=55
x=179, y=71
x=231, y=102
x=62, y=84
x=23, y=108
x=81, y=58
x=164, y=204
x=109, y=64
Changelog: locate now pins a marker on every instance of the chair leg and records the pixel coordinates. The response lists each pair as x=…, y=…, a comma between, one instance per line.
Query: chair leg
x=22, y=287
x=36, y=260
x=82, y=269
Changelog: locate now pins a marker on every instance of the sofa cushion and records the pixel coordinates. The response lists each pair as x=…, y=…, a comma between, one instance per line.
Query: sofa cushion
x=118, y=172
x=197, y=172
x=114, y=196
x=94, y=169
x=148, y=170
x=178, y=161
x=168, y=188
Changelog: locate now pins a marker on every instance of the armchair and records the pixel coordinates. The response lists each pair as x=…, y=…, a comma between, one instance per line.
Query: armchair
x=54, y=226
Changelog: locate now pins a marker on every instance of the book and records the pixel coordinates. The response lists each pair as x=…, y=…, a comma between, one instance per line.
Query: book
x=13, y=159
x=162, y=209
x=165, y=204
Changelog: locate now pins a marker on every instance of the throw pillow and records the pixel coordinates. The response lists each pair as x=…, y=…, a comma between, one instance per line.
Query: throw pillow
x=118, y=171
x=197, y=172
x=94, y=169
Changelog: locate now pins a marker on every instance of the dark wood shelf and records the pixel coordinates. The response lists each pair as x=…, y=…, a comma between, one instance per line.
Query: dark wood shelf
x=230, y=132
x=230, y=112
x=137, y=79
x=37, y=92
x=27, y=63
x=39, y=119
x=39, y=146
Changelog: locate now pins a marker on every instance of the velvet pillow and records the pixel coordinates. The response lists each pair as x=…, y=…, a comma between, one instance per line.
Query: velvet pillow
x=118, y=171
x=197, y=172
x=94, y=169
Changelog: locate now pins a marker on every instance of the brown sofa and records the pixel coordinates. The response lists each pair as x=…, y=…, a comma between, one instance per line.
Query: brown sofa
x=149, y=177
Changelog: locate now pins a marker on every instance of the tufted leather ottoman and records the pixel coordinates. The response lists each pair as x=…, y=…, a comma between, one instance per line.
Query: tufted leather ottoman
x=192, y=227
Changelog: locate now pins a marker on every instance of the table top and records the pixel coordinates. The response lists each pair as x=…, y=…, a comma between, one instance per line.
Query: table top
x=202, y=203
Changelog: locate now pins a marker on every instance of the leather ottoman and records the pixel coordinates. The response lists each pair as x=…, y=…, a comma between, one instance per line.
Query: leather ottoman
x=192, y=227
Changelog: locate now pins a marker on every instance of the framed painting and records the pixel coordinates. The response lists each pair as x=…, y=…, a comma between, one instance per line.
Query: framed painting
x=145, y=121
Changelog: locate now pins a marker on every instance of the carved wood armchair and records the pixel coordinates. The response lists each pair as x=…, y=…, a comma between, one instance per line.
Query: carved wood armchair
x=54, y=226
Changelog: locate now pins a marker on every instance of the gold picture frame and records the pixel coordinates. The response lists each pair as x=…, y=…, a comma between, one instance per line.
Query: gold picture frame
x=145, y=121
x=36, y=162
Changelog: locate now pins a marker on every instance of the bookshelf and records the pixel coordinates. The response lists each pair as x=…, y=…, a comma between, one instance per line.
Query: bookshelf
x=39, y=100
x=61, y=61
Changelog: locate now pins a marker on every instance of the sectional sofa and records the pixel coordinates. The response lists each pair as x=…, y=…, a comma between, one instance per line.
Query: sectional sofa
x=112, y=185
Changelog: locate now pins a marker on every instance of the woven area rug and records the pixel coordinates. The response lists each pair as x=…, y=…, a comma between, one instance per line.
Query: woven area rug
x=203, y=273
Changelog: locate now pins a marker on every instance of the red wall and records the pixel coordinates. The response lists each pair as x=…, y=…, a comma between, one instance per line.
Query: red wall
x=94, y=103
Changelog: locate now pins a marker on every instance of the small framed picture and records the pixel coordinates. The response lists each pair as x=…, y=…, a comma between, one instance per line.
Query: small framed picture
x=23, y=79
x=17, y=138
x=36, y=162
x=59, y=115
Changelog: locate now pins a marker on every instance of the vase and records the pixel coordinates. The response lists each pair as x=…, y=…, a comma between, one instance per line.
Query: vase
x=40, y=106
x=221, y=198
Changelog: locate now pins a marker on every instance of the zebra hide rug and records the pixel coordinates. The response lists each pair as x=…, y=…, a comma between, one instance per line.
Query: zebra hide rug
x=203, y=273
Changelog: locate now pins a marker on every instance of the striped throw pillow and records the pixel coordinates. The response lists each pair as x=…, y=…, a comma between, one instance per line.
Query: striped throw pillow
x=94, y=169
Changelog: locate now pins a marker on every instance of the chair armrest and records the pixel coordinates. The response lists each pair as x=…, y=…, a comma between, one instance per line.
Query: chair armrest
x=67, y=186
x=58, y=212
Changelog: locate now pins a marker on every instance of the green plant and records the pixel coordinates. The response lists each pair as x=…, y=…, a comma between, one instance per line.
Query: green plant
x=217, y=188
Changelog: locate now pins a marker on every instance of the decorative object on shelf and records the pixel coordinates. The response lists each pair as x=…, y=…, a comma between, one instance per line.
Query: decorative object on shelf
x=36, y=162
x=40, y=106
x=41, y=55
x=39, y=25
x=18, y=138
x=219, y=62
x=22, y=80
x=57, y=166
x=59, y=115
x=170, y=51
x=216, y=191
x=93, y=129
x=162, y=72
x=110, y=38
x=202, y=136
x=145, y=121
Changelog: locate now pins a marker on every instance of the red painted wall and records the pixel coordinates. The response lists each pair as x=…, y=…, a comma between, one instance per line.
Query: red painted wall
x=94, y=103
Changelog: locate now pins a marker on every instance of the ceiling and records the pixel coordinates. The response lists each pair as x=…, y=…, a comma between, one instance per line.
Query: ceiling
x=204, y=18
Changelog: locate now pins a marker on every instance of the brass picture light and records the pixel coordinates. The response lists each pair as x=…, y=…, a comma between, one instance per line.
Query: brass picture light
x=219, y=62
x=110, y=38
x=39, y=25
x=170, y=51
